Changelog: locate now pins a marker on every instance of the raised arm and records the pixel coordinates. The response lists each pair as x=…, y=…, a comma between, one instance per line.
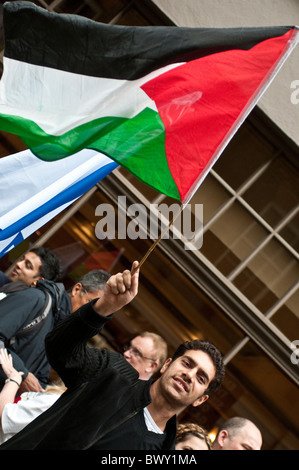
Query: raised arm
x=66, y=344
x=119, y=291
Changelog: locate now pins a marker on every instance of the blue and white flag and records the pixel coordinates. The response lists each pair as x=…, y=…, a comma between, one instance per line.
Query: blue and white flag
x=33, y=191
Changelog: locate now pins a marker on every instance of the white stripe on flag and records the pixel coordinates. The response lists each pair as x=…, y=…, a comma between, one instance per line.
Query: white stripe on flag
x=58, y=101
x=33, y=191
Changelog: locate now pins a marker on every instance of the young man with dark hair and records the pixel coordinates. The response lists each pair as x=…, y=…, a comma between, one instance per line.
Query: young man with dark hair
x=37, y=264
x=106, y=406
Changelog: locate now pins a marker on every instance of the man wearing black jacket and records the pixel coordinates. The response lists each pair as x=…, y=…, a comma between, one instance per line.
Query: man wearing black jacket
x=106, y=406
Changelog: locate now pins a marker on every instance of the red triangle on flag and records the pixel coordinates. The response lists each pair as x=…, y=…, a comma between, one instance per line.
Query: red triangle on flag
x=203, y=102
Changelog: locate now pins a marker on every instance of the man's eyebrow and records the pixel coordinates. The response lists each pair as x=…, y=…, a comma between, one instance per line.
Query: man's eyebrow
x=28, y=262
x=195, y=364
x=249, y=447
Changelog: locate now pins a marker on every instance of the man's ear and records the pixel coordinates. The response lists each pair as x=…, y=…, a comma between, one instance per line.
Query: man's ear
x=221, y=437
x=76, y=289
x=39, y=278
x=165, y=365
x=200, y=400
x=152, y=366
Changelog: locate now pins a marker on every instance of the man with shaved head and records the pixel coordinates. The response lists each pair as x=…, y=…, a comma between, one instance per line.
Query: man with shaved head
x=238, y=434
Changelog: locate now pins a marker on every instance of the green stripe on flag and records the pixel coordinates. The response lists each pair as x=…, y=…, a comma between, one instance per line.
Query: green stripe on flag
x=137, y=144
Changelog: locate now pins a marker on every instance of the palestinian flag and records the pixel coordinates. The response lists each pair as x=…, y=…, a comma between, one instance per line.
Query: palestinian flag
x=162, y=102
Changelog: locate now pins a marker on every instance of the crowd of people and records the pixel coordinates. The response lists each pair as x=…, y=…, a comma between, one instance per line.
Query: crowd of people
x=104, y=400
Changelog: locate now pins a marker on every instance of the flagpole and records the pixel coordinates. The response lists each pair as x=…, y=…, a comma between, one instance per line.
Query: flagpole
x=151, y=249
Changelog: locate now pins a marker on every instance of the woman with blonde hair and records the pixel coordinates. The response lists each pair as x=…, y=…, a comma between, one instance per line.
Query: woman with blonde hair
x=191, y=436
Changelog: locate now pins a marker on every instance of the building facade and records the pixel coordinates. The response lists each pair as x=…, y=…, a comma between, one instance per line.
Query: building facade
x=239, y=289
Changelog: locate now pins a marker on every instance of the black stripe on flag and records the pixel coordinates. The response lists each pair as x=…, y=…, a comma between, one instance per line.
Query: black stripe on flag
x=80, y=45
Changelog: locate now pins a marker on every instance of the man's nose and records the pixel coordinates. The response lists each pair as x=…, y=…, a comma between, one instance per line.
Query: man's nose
x=127, y=353
x=19, y=264
x=189, y=375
